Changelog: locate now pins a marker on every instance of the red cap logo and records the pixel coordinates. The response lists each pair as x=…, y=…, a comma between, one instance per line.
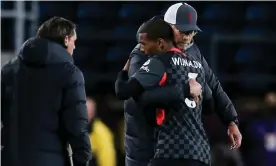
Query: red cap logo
x=190, y=16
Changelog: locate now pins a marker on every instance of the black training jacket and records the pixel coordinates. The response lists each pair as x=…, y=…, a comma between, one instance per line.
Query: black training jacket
x=222, y=104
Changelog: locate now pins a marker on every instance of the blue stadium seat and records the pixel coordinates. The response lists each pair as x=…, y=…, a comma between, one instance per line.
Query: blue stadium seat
x=260, y=12
x=254, y=30
x=7, y=5
x=91, y=10
x=129, y=30
x=81, y=53
x=117, y=53
x=212, y=29
x=243, y=54
x=48, y=9
x=89, y=57
x=250, y=54
x=253, y=59
x=130, y=11
x=220, y=12
x=84, y=30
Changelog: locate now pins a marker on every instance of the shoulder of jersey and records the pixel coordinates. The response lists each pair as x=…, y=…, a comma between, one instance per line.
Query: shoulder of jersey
x=164, y=57
x=173, y=53
x=169, y=54
x=181, y=53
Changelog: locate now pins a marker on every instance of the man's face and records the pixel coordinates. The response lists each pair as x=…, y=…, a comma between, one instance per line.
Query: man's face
x=182, y=38
x=147, y=45
x=70, y=43
x=91, y=109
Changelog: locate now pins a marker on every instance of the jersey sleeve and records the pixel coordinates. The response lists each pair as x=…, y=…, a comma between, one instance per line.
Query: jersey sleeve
x=161, y=97
x=150, y=74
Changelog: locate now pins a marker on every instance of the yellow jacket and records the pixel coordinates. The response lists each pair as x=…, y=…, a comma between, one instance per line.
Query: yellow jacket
x=102, y=144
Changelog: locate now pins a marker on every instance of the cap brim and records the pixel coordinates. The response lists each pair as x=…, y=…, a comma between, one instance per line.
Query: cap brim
x=185, y=28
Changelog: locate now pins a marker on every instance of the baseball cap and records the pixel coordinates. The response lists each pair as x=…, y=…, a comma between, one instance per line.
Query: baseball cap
x=183, y=16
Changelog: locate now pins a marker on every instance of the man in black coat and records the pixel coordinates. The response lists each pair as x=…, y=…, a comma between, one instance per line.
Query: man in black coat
x=183, y=19
x=44, y=101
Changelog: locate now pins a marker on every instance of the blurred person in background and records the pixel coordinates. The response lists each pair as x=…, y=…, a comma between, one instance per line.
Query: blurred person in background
x=260, y=133
x=101, y=138
x=43, y=101
x=270, y=100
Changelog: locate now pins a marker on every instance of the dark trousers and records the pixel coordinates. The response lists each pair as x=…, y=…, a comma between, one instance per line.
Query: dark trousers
x=176, y=162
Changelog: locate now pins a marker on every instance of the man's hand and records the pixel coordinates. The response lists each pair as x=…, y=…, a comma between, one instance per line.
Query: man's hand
x=234, y=135
x=126, y=67
x=195, y=90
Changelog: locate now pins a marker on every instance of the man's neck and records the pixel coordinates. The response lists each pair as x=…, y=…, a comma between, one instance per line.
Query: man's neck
x=169, y=47
x=187, y=46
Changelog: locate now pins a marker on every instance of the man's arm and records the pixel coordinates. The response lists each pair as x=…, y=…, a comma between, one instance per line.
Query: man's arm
x=136, y=60
x=147, y=77
x=163, y=96
x=159, y=97
x=7, y=73
x=126, y=88
x=223, y=105
x=208, y=102
x=75, y=117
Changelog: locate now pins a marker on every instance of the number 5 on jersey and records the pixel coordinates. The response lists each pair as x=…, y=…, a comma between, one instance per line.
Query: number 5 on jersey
x=188, y=102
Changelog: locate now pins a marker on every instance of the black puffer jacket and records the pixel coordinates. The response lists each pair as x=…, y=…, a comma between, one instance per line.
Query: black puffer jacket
x=43, y=108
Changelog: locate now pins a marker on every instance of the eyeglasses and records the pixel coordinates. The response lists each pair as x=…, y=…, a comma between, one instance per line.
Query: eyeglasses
x=187, y=33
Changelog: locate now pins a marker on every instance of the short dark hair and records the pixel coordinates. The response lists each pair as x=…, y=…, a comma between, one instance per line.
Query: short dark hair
x=56, y=29
x=156, y=28
x=137, y=33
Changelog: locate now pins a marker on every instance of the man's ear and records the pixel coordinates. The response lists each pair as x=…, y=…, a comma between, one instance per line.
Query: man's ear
x=161, y=43
x=66, y=41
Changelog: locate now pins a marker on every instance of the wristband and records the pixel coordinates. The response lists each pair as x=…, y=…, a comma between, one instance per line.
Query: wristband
x=236, y=121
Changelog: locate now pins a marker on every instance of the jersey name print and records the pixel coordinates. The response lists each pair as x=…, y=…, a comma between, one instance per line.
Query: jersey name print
x=185, y=62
